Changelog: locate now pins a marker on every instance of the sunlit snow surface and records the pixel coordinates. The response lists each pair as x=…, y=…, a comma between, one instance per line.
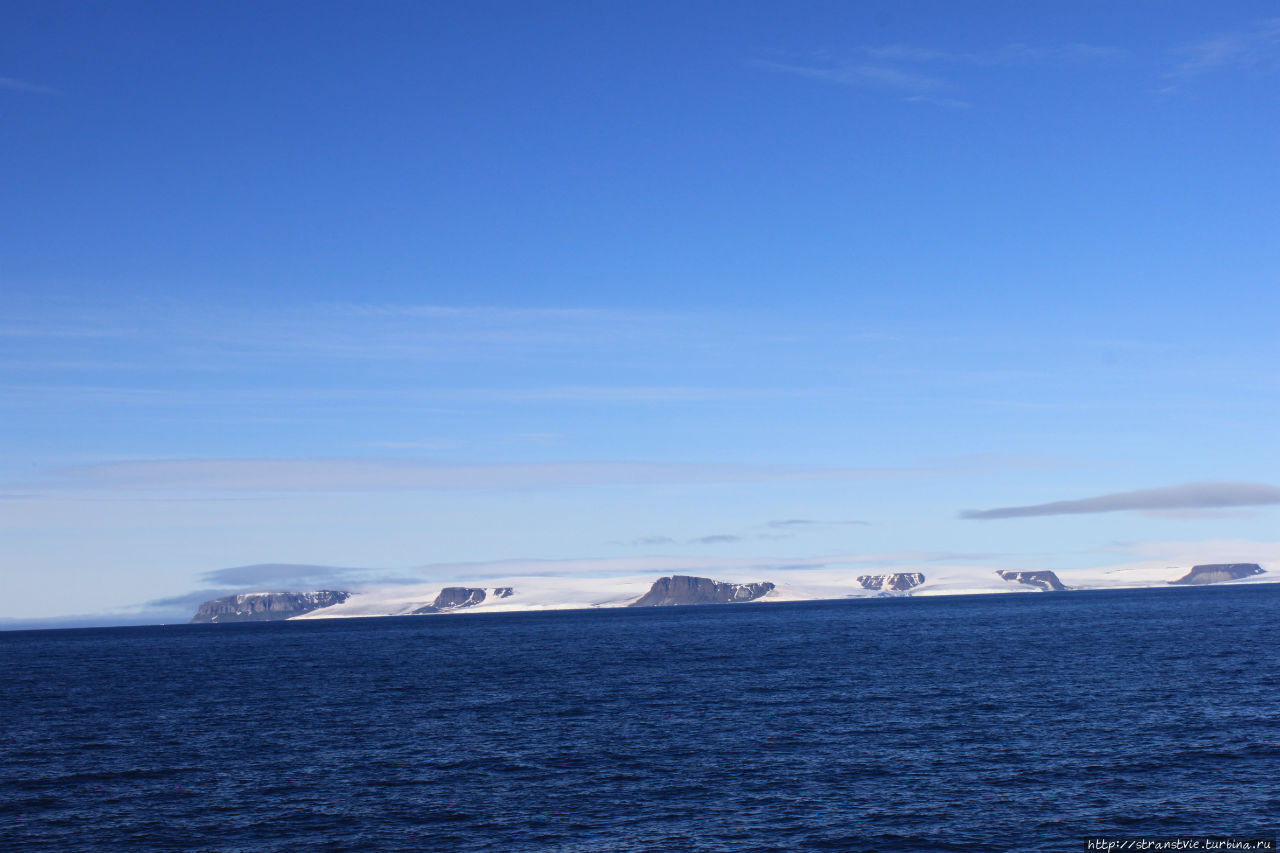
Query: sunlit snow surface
x=577, y=592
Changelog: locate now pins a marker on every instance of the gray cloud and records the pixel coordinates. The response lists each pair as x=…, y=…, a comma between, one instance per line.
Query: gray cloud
x=715, y=539
x=653, y=540
x=1194, y=514
x=186, y=602
x=95, y=620
x=1189, y=496
x=278, y=573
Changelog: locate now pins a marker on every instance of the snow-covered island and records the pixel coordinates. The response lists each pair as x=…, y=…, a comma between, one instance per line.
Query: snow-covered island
x=565, y=593
x=266, y=606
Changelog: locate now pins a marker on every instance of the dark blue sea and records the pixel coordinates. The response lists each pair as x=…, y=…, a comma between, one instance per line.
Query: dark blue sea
x=984, y=723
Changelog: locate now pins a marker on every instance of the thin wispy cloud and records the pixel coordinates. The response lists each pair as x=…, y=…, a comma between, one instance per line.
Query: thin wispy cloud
x=923, y=75
x=194, y=400
x=36, y=330
x=791, y=523
x=684, y=564
x=59, y=365
x=196, y=336
x=860, y=75
x=543, y=438
x=112, y=479
x=488, y=313
x=1015, y=53
x=318, y=475
x=626, y=394
x=723, y=538
x=13, y=84
x=1202, y=551
x=1190, y=496
x=716, y=539
x=439, y=444
x=609, y=566
x=774, y=530
x=1256, y=48
x=951, y=103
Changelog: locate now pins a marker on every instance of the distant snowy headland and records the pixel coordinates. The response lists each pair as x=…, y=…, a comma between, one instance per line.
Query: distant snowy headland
x=561, y=593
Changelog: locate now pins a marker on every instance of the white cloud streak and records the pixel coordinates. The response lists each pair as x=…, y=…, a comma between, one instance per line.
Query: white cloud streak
x=896, y=67
x=684, y=564
x=1015, y=53
x=12, y=84
x=321, y=475
x=860, y=75
x=1257, y=47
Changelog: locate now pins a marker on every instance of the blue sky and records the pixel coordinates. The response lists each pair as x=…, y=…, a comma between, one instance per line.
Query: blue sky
x=397, y=285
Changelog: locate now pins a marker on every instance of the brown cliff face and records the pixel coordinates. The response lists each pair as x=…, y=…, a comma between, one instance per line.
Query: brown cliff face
x=266, y=606
x=456, y=597
x=897, y=582
x=1219, y=572
x=1046, y=581
x=683, y=589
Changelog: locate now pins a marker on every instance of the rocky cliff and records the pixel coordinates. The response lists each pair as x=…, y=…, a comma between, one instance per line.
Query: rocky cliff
x=1046, y=581
x=457, y=597
x=898, y=582
x=266, y=606
x=682, y=589
x=1219, y=572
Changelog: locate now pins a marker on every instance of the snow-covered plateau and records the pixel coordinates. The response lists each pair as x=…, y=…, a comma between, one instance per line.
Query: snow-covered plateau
x=524, y=593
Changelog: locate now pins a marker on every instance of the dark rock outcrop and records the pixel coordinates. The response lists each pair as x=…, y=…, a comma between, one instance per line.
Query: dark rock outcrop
x=457, y=597
x=266, y=606
x=503, y=592
x=682, y=589
x=1219, y=572
x=897, y=582
x=1046, y=581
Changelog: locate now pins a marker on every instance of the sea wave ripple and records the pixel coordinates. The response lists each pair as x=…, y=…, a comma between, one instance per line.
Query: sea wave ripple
x=985, y=723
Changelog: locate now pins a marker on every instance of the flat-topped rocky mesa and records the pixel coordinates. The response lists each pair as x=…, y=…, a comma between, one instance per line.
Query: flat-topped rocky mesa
x=1046, y=581
x=458, y=597
x=897, y=582
x=1219, y=572
x=266, y=606
x=682, y=589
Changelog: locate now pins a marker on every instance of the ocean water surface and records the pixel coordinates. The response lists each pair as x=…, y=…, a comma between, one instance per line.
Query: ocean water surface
x=983, y=723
